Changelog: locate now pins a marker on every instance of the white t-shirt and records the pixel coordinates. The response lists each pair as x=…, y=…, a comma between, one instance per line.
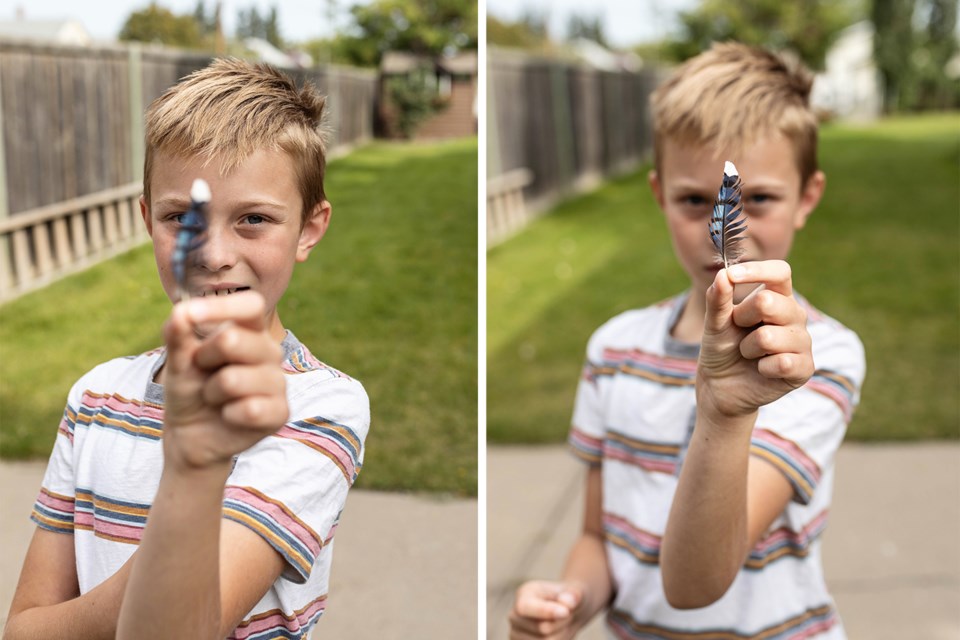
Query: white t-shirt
x=635, y=413
x=289, y=488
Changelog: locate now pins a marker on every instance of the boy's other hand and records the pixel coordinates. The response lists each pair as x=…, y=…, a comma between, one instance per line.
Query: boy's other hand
x=756, y=351
x=225, y=391
x=546, y=610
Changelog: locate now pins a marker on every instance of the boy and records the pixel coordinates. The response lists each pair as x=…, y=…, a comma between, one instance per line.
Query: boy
x=710, y=421
x=260, y=441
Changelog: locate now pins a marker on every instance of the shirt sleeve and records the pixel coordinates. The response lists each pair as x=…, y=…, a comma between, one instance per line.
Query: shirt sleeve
x=800, y=433
x=54, y=507
x=291, y=487
x=587, y=428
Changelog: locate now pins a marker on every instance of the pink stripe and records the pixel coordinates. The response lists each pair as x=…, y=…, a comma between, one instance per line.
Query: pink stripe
x=116, y=404
x=125, y=532
x=666, y=364
x=590, y=442
x=327, y=444
x=649, y=539
x=792, y=449
x=57, y=504
x=842, y=399
x=280, y=621
x=306, y=537
x=814, y=629
x=800, y=537
x=645, y=463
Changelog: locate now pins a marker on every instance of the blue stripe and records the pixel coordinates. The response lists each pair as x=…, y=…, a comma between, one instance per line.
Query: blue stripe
x=330, y=434
x=272, y=525
x=101, y=498
x=53, y=515
x=790, y=462
x=283, y=632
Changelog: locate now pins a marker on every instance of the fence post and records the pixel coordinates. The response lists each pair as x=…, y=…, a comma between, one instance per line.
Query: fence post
x=563, y=122
x=5, y=275
x=135, y=73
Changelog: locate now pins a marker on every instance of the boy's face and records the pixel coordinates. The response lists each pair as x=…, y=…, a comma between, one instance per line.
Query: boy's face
x=254, y=235
x=775, y=202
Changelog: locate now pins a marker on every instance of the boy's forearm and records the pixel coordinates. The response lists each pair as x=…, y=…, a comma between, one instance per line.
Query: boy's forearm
x=92, y=616
x=705, y=541
x=587, y=566
x=174, y=588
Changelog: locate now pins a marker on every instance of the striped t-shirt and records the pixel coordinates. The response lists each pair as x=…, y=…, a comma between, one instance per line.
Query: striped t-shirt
x=289, y=488
x=634, y=415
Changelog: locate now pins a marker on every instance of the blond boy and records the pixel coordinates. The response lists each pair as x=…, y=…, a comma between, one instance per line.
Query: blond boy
x=237, y=441
x=710, y=421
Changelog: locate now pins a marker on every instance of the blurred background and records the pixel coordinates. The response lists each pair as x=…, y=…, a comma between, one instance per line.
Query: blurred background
x=575, y=237
x=389, y=296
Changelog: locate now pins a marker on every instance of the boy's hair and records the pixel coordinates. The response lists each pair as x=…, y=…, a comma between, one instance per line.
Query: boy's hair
x=232, y=108
x=733, y=95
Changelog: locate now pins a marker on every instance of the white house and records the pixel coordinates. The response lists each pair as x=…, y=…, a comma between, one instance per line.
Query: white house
x=851, y=87
x=69, y=32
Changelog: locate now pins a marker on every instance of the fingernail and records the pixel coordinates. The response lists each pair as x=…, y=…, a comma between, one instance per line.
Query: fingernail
x=561, y=612
x=196, y=310
x=737, y=272
x=567, y=599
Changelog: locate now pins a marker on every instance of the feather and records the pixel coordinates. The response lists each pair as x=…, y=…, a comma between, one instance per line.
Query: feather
x=191, y=235
x=727, y=223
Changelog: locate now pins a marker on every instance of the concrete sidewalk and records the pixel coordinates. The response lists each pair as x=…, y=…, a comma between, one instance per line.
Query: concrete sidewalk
x=890, y=552
x=405, y=565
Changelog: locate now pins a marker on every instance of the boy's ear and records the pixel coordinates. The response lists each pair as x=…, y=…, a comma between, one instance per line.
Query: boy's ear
x=653, y=178
x=809, y=198
x=313, y=229
x=145, y=214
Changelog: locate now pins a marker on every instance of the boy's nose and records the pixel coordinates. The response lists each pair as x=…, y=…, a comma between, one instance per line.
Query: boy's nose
x=217, y=253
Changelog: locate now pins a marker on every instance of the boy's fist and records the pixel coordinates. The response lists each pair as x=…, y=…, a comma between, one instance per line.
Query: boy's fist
x=225, y=391
x=756, y=351
x=545, y=610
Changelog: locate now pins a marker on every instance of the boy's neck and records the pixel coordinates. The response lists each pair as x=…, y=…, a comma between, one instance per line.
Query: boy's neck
x=689, y=326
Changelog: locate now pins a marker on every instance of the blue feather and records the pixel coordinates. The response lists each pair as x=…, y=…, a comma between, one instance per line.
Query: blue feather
x=727, y=222
x=190, y=237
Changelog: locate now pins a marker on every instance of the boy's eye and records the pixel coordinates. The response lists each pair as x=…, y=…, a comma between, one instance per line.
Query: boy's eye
x=255, y=219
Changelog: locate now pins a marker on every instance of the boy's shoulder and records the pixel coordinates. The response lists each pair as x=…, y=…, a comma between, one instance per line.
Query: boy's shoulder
x=836, y=348
x=643, y=325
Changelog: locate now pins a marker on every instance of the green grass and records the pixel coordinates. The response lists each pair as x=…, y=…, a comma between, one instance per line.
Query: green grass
x=389, y=297
x=881, y=254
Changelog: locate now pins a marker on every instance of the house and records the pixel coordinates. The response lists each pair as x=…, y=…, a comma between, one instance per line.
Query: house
x=67, y=32
x=451, y=79
x=850, y=87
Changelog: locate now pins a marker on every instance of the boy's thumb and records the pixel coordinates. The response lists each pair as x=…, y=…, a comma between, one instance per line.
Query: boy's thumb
x=570, y=597
x=719, y=302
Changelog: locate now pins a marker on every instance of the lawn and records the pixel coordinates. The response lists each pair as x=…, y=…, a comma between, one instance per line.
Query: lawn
x=881, y=254
x=389, y=297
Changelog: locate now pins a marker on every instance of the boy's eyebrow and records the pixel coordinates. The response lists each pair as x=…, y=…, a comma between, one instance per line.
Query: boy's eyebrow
x=178, y=202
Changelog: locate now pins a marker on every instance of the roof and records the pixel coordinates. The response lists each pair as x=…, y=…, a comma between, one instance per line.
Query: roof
x=463, y=63
x=60, y=31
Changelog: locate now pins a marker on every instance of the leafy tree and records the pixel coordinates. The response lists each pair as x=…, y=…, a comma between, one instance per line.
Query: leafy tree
x=250, y=24
x=587, y=27
x=529, y=32
x=428, y=27
x=806, y=28
x=160, y=25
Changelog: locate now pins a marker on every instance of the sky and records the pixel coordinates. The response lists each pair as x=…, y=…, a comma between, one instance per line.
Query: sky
x=625, y=22
x=300, y=20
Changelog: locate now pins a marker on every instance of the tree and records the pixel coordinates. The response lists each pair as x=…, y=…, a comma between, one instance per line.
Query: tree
x=160, y=25
x=529, y=32
x=428, y=27
x=805, y=28
x=587, y=27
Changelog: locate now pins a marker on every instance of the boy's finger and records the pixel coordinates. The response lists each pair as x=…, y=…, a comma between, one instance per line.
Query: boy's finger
x=775, y=274
x=237, y=345
x=245, y=308
x=180, y=339
x=769, y=307
x=793, y=368
x=257, y=412
x=770, y=339
x=719, y=300
x=239, y=381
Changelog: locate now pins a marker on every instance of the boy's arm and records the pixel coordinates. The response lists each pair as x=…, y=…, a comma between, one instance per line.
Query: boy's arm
x=560, y=609
x=223, y=394
x=752, y=354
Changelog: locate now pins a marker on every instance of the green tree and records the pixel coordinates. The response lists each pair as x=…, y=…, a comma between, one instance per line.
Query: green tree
x=160, y=25
x=806, y=28
x=428, y=27
x=587, y=27
x=250, y=24
x=529, y=32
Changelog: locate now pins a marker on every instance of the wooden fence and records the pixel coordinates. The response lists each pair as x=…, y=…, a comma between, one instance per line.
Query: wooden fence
x=569, y=125
x=71, y=147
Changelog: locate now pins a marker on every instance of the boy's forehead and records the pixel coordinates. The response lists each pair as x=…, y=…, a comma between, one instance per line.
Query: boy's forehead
x=772, y=156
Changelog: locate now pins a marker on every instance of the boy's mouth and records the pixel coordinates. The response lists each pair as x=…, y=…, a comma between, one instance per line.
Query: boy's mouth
x=225, y=291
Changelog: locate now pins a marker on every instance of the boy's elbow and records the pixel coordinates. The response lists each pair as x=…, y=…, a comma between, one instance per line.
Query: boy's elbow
x=693, y=594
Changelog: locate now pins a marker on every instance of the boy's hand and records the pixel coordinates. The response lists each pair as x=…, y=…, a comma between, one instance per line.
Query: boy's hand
x=756, y=351
x=223, y=392
x=546, y=610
